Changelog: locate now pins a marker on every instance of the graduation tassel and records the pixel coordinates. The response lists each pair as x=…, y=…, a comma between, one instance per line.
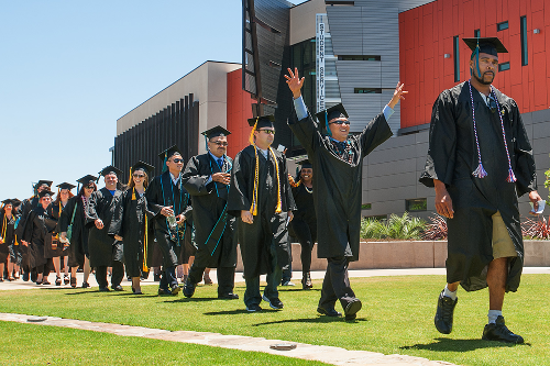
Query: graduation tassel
x=326, y=121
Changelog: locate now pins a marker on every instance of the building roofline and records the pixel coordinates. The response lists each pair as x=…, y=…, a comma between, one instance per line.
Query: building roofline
x=184, y=76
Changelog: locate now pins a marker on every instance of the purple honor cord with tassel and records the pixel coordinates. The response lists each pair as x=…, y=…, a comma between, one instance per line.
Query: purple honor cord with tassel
x=480, y=171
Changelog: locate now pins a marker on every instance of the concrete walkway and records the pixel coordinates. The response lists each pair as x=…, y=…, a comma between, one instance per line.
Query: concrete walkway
x=326, y=354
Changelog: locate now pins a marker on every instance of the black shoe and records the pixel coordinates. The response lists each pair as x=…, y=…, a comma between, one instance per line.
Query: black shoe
x=156, y=278
x=329, y=312
x=306, y=281
x=165, y=291
x=228, y=296
x=117, y=288
x=499, y=332
x=444, y=315
x=26, y=276
x=189, y=288
x=274, y=303
x=352, y=308
x=175, y=290
x=253, y=308
x=85, y=285
x=104, y=289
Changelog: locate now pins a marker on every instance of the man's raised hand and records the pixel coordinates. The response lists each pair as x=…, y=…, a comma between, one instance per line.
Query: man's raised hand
x=294, y=82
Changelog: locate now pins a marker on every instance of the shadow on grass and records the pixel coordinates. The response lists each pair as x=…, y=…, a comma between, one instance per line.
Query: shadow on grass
x=462, y=345
x=318, y=320
x=192, y=299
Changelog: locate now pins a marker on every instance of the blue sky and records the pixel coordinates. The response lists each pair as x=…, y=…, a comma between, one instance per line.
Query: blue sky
x=69, y=69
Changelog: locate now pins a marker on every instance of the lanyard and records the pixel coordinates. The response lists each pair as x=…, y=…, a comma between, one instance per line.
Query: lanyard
x=212, y=172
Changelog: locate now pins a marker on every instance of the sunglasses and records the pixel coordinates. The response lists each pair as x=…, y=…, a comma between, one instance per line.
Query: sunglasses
x=178, y=160
x=89, y=187
x=340, y=122
x=269, y=132
x=139, y=176
x=219, y=143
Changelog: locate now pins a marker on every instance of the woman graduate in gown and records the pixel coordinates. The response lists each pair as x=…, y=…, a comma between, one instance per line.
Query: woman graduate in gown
x=37, y=228
x=74, y=216
x=133, y=229
x=7, y=236
x=304, y=225
x=54, y=248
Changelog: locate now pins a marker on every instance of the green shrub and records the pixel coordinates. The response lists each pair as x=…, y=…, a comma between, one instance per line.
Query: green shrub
x=396, y=227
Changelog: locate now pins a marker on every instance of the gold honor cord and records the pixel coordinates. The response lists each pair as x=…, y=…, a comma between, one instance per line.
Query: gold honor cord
x=4, y=229
x=254, y=206
x=146, y=245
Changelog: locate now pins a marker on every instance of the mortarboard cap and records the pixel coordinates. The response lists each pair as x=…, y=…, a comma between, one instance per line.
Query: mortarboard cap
x=216, y=131
x=85, y=180
x=166, y=154
x=490, y=45
x=109, y=170
x=331, y=113
x=45, y=192
x=262, y=121
x=65, y=185
x=14, y=202
x=41, y=182
x=143, y=166
x=305, y=164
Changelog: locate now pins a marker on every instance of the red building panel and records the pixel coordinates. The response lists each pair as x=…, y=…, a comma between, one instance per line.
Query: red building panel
x=426, y=36
x=239, y=110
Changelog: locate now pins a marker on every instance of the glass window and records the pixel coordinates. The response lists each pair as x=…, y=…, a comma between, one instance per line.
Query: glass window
x=456, y=48
x=504, y=66
x=417, y=204
x=502, y=26
x=523, y=31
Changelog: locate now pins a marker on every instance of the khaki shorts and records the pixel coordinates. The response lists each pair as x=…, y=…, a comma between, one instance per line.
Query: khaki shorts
x=503, y=246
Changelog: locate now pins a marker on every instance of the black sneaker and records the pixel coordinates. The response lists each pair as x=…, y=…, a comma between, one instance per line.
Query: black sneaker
x=253, y=308
x=351, y=309
x=189, y=288
x=274, y=303
x=444, y=315
x=329, y=312
x=499, y=332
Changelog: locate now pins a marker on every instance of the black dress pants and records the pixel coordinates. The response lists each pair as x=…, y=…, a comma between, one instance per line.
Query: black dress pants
x=336, y=285
x=116, y=276
x=226, y=278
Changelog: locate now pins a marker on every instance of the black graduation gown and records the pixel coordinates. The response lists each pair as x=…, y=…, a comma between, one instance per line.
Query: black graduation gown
x=51, y=238
x=104, y=249
x=337, y=187
x=304, y=225
x=132, y=229
x=78, y=248
x=36, y=231
x=452, y=157
x=7, y=233
x=26, y=207
x=214, y=236
x=269, y=228
x=160, y=193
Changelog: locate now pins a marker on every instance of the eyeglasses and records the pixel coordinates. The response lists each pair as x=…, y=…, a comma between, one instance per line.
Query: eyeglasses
x=340, y=122
x=89, y=187
x=178, y=160
x=219, y=143
x=269, y=132
x=139, y=176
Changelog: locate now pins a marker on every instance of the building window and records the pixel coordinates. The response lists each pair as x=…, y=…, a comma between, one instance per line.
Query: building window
x=523, y=26
x=477, y=33
x=366, y=206
x=456, y=49
x=360, y=58
x=417, y=204
x=504, y=66
x=367, y=90
x=502, y=26
x=340, y=3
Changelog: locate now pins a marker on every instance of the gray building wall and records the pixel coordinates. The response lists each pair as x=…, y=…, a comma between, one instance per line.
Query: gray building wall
x=391, y=171
x=370, y=27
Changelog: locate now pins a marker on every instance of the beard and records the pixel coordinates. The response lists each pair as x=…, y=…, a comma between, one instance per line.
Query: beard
x=482, y=79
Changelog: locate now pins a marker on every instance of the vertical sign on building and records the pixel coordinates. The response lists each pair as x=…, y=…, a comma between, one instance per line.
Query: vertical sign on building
x=320, y=62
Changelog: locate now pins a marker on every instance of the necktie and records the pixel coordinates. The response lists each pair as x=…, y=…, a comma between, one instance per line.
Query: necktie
x=220, y=163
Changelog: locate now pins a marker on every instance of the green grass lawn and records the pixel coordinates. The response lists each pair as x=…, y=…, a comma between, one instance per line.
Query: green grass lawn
x=63, y=346
x=397, y=317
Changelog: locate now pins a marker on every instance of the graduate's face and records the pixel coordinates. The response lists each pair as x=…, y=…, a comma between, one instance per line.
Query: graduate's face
x=8, y=208
x=64, y=194
x=339, y=130
x=139, y=177
x=218, y=146
x=175, y=163
x=45, y=201
x=110, y=181
x=264, y=136
x=306, y=174
x=488, y=67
